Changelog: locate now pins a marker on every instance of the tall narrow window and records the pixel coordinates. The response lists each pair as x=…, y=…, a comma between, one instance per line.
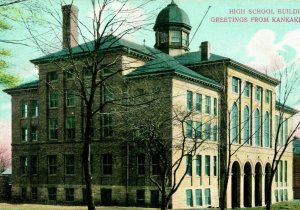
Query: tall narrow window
x=34, y=193
x=175, y=37
x=185, y=40
x=34, y=133
x=24, y=165
x=198, y=165
x=53, y=129
x=207, y=104
x=267, y=130
x=215, y=107
x=189, y=165
x=69, y=193
x=207, y=131
x=235, y=85
x=52, y=164
x=70, y=98
x=207, y=165
x=247, y=89
x=198, y=130
x=198, y=102
x=53, y=99
x=52, y=76
x=69, y=164
x=34, y=108
x=52, y=193
x=246, y=125
x=70, y=126
x=215, y=132
x=285, y=171
x=215, y=166
x=108, y=95
x=33, y=165
x=24, y=109
x=286, y=130
x=141, y=164
x=207, y=196
x=140, y=197
x=277, y=129
x=24, y=134
x=189, y=98
x=189, y=129
x=234, y=123
x=281, y=170
x=199, y=197
x=155, y=165
x=107, y=125
x=267, y=96
x=258, y=93
x=257, y=127
x=189, y=197
x=107, y=164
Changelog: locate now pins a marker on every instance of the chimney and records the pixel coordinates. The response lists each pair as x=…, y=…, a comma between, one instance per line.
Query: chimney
x=70, y=24
x=205, y=51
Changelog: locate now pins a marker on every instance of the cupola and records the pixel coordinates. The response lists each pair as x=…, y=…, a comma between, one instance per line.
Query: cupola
x=172, y=28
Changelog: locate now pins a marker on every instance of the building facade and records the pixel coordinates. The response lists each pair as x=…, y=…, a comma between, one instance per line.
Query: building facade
x=231, y=104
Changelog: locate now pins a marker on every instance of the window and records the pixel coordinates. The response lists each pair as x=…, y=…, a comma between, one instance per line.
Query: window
x=247, y=89
x=106, y=196
x=267, y=96
x=207, y=131
x=189, y=166
x=24, y=165
x=281, y=194
x=24, y=110
x=141, y=164
x=257, y=127
x=70, y=98
x=69, y=73
x=235, y=85
x=189, y=129
x=52, y=193
x=234, y=123
x=185, y=39
x=87, y=72
x=215, y=166
x=53, y=99
x=286, y=130
x=24, y=134
x=107, y=125
x=53, y=130
x=198, y=165
x=285, y=171
x=277, y=129
x=69, y=164
x=276, y=174
x=198, y=102
x=215, y=107
x=281, y=170
x=52, y=164
x=285, y=194
x=207, y=165
x=33, y=165
x=70, y=126
x=140, y=197
x=189, y=98
x=34, y=133
x=198, y=130
x=207, y=104
x=107, y=94
x=24, y=193
x=207, y=196
x=163, y=37
x=155, y=165
x=246, y=125
x=52, y=76
x=199, y=197
x=215, y=132
x=34, y=108
x=154, y=198
x=175, y=37
x=258, y=93
x=34, y=193
x=276, y=196
x=267, y=130
x=189, y=197
x=69, y=193
x=107, y=164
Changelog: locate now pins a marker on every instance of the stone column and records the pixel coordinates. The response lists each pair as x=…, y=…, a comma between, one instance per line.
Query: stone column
x=228, y=193
x=242, y=190
x=263, y=177
x=253, y=190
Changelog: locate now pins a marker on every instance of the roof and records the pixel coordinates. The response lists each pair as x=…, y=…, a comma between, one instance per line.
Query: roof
x=107, y=44
x=7, y=171
x=285, y=108
x=194, y=58
x=172, y=15
x=165, y=64
x=25, y=86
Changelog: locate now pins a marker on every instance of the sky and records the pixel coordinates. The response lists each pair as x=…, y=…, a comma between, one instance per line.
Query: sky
x=258, y=33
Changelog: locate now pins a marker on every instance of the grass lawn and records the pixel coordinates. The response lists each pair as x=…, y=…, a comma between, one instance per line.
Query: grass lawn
x=292, y=205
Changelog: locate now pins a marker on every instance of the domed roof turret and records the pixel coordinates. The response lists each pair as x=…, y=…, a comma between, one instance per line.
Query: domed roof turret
x=172, y=15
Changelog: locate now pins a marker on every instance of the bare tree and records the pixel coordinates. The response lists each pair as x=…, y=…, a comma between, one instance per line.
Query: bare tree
x=4, y=158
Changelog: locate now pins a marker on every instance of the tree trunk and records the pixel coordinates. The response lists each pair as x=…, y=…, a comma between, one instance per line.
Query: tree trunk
x=87, y=166
x=163, y=201
x=269, y=193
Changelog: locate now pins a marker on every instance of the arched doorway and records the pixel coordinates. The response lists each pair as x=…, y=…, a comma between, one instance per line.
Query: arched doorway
x=247, y=185
x=267, y=179
x=235, y=184
x=258, y=184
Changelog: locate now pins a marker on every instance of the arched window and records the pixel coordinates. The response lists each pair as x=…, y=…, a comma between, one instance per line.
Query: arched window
x=257, y=127
x=267, y=130
x=234, y=123
x=246, y=125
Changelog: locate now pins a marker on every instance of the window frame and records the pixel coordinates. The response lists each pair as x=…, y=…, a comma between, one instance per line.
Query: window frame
x=52, y=165
x=107, y=165
x=69, y=164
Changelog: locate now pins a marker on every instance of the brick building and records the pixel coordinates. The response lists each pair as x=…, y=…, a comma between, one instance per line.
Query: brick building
x=48, y=123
